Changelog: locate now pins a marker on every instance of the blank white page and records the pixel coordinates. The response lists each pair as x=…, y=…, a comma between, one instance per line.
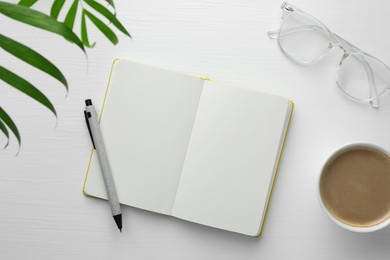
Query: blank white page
x=146, y=124
x=231, y=158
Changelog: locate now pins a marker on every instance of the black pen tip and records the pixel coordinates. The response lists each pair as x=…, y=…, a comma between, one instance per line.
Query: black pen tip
x=118, y=221
x=120, y=230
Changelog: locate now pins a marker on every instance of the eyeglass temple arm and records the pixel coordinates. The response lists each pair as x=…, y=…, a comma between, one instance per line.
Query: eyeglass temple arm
x=273, y=34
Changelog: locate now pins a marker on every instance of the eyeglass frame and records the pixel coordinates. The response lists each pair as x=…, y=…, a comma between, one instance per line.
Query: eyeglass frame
x=334, y=40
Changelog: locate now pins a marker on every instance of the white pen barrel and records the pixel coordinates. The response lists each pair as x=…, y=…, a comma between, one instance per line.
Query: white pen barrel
x=104, y=163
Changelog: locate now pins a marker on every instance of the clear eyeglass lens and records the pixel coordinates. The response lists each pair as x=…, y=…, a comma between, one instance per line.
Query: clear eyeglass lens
x=355, y=73
x=303, y=38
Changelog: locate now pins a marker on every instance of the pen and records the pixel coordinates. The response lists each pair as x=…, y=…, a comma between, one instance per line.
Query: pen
x=98, y=144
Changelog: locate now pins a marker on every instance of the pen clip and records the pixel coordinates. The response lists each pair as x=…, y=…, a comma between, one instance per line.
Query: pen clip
x=89, y=127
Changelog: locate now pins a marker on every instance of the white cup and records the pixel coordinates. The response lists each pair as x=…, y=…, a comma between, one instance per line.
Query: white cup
x=338, y=222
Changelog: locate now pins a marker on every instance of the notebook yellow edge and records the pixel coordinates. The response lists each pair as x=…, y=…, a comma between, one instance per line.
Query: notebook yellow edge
x=100, y=118
x=277, y=170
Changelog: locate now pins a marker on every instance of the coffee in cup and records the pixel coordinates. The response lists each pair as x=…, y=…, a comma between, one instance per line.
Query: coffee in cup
x=354, y=187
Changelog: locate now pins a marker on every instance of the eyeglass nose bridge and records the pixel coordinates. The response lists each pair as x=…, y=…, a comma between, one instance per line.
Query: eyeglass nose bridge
x=343, y=44
x=343, y=48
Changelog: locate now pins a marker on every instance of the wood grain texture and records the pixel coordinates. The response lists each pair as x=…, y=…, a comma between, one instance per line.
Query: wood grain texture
x=43, y=214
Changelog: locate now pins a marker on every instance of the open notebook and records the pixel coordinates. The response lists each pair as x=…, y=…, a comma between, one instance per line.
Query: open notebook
x=186, y=147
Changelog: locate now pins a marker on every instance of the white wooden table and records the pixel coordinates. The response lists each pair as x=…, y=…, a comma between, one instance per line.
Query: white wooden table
x=43, y=214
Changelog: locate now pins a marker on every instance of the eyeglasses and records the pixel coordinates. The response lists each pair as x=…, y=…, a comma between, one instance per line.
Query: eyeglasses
x=306, y=40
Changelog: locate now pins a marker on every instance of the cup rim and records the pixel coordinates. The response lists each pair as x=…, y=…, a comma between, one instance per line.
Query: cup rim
x=330, y=215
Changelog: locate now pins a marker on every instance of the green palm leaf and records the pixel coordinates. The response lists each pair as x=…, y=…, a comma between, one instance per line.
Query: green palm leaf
x=11, y=125
x=27, y=3
x=111, y=2
x=22, y=13
x=103, y=28
x=84, y=34
x=4, y=129
x=40, y=20
x=69, y=19
x=32, y=57
x=56, y=8
x=106, y=13
x=25, y=87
